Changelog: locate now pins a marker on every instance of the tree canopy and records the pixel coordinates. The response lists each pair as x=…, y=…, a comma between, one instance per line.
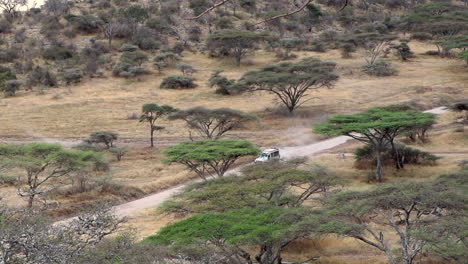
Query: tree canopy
x=377, y=127
x=291, y=82
x=212, y=157
x=213, y=123
x=236, y=43
x=150, y=113
x=271, y=228
x=43, y=162
x=260, y=185
x=407, y=208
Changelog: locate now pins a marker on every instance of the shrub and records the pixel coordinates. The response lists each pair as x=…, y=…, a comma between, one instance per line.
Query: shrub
x=127, y=70
x=57, y=53
x=119, y=152
x=8, y=54
x=223, y=23
x=72, y=76
x=134, y=57
x=421, y=36
x=5, y=26
x=128, y=48
x=177, y=82
x=403, y=50
x=186, y=69
x=145, y=39
x=319, y=46
x=8, y=180
x=5, y=76
x=41, y=76
x=102, y=137
x=69, y=33
x=86, y=23
x=11, y=87
x=346, y=49
x=168, y=58
x=365, y=156
x=379, y=68
x=224, y=85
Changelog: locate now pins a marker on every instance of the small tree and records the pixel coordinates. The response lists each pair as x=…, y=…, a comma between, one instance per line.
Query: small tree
x=236, y=43
x=119, y=152
x=186, y=69
x=151, y=113
x=42, y=163
x=462, y=107
x=103, y=137
x=373, y=44
x=213, y=157
x=377, y=127
x=403, y=50
x=291, y=82
x=213, y=123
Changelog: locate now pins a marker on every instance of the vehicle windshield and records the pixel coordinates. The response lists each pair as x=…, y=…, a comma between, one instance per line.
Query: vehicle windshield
x=264, y=155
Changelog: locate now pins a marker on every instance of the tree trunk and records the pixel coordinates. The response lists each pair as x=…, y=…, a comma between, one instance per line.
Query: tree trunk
x=398, y=161
x=31, y=201
x=151, y=137
x=238, y=59
x=378, y=173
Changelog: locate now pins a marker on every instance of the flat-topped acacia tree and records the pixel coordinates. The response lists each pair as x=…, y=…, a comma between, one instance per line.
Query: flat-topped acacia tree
x=291, y=82
x=212, y=123
x=150, y=113
x=213, y=157
x=42, y=163
x=237, y=43
x=378, y=127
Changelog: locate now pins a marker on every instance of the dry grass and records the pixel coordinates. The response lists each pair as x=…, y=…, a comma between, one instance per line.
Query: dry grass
x=103, y=104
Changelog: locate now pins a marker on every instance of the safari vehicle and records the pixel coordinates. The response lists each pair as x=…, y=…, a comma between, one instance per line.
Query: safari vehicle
x=271, y=154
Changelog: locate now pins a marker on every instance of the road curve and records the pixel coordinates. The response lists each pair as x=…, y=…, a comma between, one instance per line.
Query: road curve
x=157, y=199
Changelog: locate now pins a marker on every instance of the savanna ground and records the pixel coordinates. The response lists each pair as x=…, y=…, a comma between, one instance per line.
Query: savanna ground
x=69, y=114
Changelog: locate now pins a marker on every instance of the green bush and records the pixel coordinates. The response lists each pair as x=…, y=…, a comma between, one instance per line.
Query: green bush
x=72, y=76
x=57, y=53
x=421, y=36
x=379, y=68
x=178, y=82
x=365, y=156
x=127, y=70
x=11, y=87
x=128, y=48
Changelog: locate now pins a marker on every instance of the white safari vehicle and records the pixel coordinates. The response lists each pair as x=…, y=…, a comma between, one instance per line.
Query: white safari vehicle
x=268, y=155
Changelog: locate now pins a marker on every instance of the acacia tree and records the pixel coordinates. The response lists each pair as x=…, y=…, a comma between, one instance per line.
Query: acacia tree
x=373, y=44
x=235, y=43
x=261, y=185
x=377, y=127
x=44, y=163
x=212, y=157
x=406, y=208
x=291, y=82
x=212, y=123
x=272, y=229
x=151, y=113
x=29, y=237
